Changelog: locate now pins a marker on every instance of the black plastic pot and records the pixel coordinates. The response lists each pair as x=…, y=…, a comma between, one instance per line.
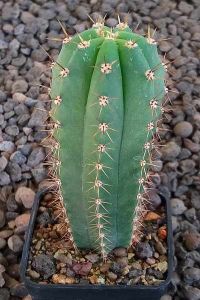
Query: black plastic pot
x=92, y=292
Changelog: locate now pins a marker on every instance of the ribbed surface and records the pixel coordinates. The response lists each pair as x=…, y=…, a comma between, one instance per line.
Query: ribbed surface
x=104, y=117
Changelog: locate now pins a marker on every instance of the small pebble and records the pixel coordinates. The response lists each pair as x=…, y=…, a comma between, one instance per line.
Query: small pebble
x=183, y=129
x=144, y=250
x=2, y=218
x=191, y=240
x=120, y=252
x=25, y=196
x=44, y=265
x=178, y=206
x=15, y=243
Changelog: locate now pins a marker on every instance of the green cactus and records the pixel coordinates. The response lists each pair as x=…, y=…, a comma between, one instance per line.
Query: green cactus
x=106, y=89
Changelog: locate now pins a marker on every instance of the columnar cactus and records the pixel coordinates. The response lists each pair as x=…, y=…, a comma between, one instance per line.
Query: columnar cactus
x=106, y=89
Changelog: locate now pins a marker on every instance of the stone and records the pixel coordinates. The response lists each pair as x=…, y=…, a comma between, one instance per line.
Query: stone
x=185, y=87
x=191, y=293
x=122, y=261
x=144, y=250
x=151, y=216
x=175, y=224
x=39, y=173
x=191, y=275
x=47, y=14
x=112, y=276
x=19, y=290
x=160, y=248
x=28, y=297
x=22, y=220
x=82, y=269
x=190, y=214
x=154, y=199
x=135, y=273
x=2, y=244
x=191, y=240
x=15, y=171
x=2, y=218
x=10, y=12
x=178, y=207
x=12, y=130
x=18, y=158
x=33, y=274
x=120, y=252
x=39, y=55
x=15, y=243
x=2, y=96
x=187, y=166
x=25, y=196
x=156, y=166
x=37, y=155
x=14, y=271
x=3, y=163
x=63, y=258
x=19, y=61
x=14, y=46
x=4, y=294
x=2, y=280
x=4, y=179
x=174, y=53
x=93, y=258
x=20, y=86
x=1, y=119
x=44, y=265
x=44, y=219
x=4, y=234
x=19, y=97
x=82, y=12
x=183, y=129
x=3, y=45
x=38, y=116
x=111, y=22
x=27, y=17
x=185, y=8
x=7, y=146
x=170, y=151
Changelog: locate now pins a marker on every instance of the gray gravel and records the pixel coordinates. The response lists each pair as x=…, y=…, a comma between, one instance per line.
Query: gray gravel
x=23, y=67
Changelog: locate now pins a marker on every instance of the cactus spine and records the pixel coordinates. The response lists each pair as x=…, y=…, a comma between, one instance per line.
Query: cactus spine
x=106, y=89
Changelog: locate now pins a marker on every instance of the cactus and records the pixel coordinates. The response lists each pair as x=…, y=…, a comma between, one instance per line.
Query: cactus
x=107, y=88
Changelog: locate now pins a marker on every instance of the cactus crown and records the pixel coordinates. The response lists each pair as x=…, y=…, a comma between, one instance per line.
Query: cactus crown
x=106, y=89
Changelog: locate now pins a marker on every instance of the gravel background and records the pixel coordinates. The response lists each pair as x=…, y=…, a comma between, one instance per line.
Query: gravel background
x=24, y=26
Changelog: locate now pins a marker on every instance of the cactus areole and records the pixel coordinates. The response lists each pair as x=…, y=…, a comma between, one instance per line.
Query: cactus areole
x=107, y=88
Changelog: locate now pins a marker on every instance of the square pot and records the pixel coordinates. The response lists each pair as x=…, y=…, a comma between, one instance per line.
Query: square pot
x=92, y=292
